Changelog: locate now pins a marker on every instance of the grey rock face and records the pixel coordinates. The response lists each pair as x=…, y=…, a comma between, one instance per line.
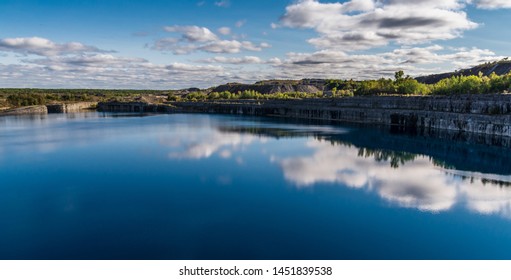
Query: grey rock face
x=484, y=114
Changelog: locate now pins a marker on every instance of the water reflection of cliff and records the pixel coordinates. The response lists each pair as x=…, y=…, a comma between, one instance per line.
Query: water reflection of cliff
x=426, y=173
x=474, y=153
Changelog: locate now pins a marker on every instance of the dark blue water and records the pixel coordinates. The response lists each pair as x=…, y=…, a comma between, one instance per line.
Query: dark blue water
x=106, y=186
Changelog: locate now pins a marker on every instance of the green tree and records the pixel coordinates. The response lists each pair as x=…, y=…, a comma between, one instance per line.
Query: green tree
x=399, y=75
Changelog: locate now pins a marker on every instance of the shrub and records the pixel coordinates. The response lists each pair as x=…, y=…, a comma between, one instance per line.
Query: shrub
x=172, y=97
x=196, y=96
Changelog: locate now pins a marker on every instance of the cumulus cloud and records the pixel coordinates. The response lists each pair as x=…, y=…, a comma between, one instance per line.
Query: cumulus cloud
x=192, y=34
x=195, y=38
x=443, y=4
x=233, y=60
x=231, y=46
x=224, y=30
x=99, y=70
x=435, y=54
x=110, y=71
x=413, y=60
x=193, y=68
x=132, y=75
x=493, y=4
x=79, y=65
x=345, y=28
x=87, y=60
x=44, y=47
x=364, y=24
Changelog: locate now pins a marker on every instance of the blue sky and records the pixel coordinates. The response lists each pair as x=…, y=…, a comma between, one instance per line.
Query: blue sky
x=178, y=44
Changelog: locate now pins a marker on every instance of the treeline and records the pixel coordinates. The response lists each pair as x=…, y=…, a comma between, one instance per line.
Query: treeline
x=93, y=92
x=402, y=85
x=30, y=97
x=247, y=94
x=473, y=85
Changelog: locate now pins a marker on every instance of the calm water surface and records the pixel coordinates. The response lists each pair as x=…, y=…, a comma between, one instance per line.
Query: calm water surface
x=107, y=186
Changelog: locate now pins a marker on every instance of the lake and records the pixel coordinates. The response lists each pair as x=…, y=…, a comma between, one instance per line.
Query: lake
x=123, y=186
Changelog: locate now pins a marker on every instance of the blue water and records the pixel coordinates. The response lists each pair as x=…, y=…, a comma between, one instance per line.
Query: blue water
x=111, y=186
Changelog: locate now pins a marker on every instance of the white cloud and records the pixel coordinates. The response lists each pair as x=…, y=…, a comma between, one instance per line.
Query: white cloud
x=192, y=33
x=223, y=3
x=355, y=25
x=240, y=23
x=224, y=30
x=442, y=4
x=88, y=60
x=44, y=47
x=136, y=76
x=195, y=38
x=110, y=71
x=493, y=4
x=359, y=6
x=233, y=60
x=193, y=68
x=107, y=71
x=345, y=28
x=230, y=46
x=265, y=45
x=275, y=61
x=413, y=60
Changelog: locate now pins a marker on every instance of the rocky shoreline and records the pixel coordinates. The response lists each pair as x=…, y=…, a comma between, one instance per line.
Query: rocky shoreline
x=51, y=108
x=481, y=114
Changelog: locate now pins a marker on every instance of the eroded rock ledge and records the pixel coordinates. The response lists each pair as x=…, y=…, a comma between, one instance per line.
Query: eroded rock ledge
x=484, y=114
x=51, y=108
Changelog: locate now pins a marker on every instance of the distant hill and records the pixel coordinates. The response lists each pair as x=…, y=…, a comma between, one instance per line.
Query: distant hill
x=275, y=86
x=499, y=67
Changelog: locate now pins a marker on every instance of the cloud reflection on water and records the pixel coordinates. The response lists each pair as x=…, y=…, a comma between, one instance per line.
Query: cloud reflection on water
x=417, y=184
x=405, y=180
x=204, y=146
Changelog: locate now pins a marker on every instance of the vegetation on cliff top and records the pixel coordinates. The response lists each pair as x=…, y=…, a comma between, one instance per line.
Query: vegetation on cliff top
x=14, y=97
x=400, y=85
x=246, y=94
x=501, y=67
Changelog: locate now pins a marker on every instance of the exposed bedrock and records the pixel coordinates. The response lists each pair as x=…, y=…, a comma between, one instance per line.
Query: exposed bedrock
x=71, y=107
x=485, y=114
